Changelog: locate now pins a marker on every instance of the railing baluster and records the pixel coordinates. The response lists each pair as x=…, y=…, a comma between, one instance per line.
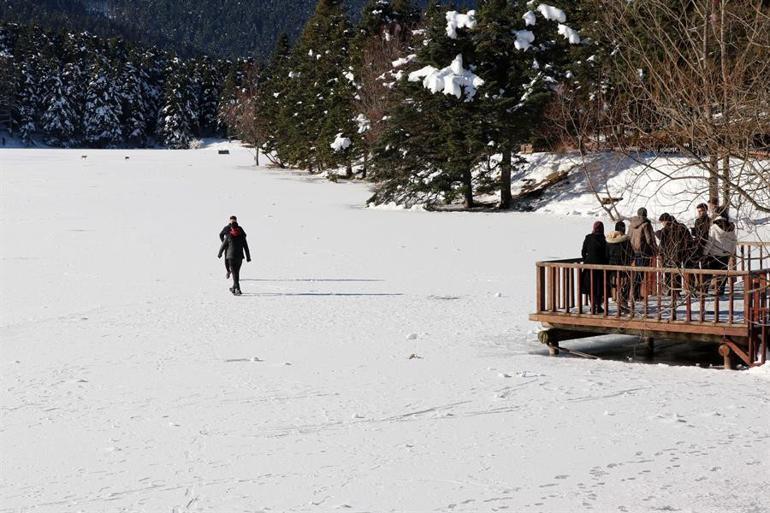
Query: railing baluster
x=702, y=295
x=688, y=298
x=672, y=281
x=580, y=290
x=659, y=296
x=540, y=292
x=604, y=291
x=731, y=301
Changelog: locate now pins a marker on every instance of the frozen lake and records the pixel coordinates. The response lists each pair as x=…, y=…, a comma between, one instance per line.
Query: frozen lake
x=379, y=360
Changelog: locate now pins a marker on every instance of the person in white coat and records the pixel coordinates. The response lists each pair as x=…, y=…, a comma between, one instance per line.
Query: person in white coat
x=723, y=240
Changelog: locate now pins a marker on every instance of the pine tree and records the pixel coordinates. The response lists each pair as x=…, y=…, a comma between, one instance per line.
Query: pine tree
x=272, y=104
x=208, y=99
x=29, y=106
x=321, y=90
x=134, y=105
x=177, y=117
x=60, y=118
x=101, y=118
x=382, y=37
x=431, y=145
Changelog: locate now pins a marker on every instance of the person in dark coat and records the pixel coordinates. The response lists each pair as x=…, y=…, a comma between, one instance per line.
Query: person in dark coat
x=225, y=230
x=233, y=247
x=619, y=252
x=675, y=245
x=700, y=234
x=594, y=252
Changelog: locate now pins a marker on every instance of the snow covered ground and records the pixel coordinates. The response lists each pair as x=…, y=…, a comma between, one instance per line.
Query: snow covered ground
x=378, y=360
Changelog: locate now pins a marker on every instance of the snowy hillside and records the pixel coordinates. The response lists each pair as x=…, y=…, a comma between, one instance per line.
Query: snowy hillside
x=378, y=360
x=637, y=180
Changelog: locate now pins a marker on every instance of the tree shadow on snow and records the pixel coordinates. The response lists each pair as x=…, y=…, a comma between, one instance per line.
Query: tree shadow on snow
x=318, y=294
x=311, y=279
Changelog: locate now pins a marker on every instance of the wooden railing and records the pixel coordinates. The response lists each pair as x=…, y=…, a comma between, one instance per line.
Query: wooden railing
x=718, y=303
x=652, y=293
x=752, y=255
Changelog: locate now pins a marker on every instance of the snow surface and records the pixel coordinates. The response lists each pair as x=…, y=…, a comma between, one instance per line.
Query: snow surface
x=378, y=360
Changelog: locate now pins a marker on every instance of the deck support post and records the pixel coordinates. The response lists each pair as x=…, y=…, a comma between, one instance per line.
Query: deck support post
x=727, y=355
x=553, y=349
x=649, y=342
x=549, y=338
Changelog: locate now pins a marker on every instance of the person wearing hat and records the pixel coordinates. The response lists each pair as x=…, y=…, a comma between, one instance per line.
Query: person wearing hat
x=643, y=243
x=594, y=252
x=223, y=233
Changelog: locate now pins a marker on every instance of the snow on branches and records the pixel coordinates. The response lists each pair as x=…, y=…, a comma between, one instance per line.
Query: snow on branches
x=525, y=38
x=340, y=143
x=552, y=13
x=451, y=80
x=455, y=20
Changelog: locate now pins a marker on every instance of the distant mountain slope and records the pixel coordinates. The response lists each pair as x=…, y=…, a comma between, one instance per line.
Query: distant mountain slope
x=222, y=28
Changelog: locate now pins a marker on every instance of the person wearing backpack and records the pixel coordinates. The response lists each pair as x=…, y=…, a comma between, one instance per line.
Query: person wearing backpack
x=225, y=230
x=233, y=247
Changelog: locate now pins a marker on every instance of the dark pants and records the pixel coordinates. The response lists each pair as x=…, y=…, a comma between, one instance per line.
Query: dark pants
x=718, y=263
x=619, y=282
x=235, y=269
x=227, y=265
x=592, y=283
x=640, y=261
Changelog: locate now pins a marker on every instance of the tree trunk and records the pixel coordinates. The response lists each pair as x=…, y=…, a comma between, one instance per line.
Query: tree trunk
x=349, y=170
x=726, y=183
x=713, y=178
x=505, y=178
x=256, y=157
x=725, y=106
x=468, y=189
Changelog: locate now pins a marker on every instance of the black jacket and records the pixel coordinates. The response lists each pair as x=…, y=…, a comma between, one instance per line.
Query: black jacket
x=675, y=243
x=228, y=226
x=233, y=247
x=594, y=249
x=619, y=250
x=700, y=232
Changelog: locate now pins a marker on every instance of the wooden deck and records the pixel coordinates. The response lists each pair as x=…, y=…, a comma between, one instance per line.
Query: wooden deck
x=664, y=303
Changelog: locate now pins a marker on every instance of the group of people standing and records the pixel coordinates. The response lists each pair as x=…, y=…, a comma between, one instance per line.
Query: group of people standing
x=708, y=244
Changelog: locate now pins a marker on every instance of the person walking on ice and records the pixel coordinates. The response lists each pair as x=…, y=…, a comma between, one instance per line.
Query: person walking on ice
x=233, y=247
x=225, y=230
